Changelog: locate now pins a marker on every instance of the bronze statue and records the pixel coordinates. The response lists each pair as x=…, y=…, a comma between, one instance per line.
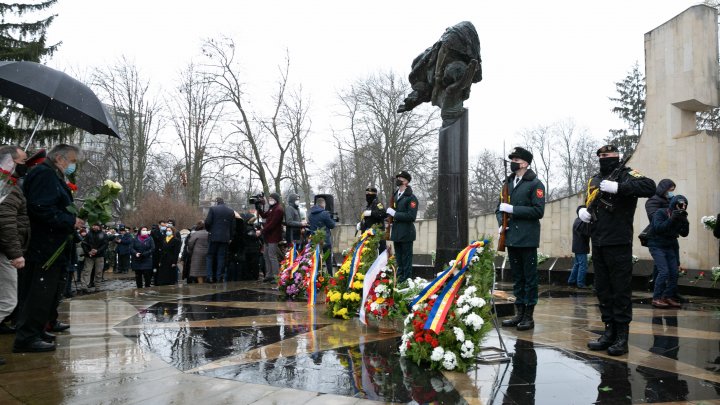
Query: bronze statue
x=444, y=72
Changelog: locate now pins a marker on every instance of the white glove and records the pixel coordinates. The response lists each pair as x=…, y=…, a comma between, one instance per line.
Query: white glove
x=506, y=208
x=608, y=186
x=584, y=215
x=390, y=212
x=357, y=226
x=367, y=213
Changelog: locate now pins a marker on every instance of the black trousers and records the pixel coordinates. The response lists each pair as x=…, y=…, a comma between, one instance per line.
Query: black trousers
x=143, y=274
x=404, y=256
x=523, y=264
x=613, y=282
x=40, y=301
x=123, y=263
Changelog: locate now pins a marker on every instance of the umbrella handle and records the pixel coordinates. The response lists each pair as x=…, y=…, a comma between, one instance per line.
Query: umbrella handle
x=36, y=127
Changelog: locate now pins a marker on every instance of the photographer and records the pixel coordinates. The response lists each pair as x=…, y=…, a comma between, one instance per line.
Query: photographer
x=271, y=232
x=667, y=225
x=320, y=218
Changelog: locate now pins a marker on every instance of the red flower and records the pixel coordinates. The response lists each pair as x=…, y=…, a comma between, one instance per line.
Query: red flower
x=72, y=186
x=419, y=339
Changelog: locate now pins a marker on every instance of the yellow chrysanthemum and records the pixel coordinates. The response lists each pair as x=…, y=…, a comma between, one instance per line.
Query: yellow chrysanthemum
x=346, y=296
x=355, y=296
x=341, y=312
x=380, y=300
x=358, y=285
x=335, y=296
x=360, y=276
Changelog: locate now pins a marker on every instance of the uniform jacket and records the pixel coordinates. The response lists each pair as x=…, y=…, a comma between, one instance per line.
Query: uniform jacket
x=146, y=249
x=272, y=230
x=376, y=217
x=614, y=226
x=14, y=224
x=665, y=229
x=528, y=201
x=48, y=197
x=581, y=237
x=659, y=200
x=293, y=223
x=95, y=240
x=220, y=223
x=319, y=219
x=406, y=207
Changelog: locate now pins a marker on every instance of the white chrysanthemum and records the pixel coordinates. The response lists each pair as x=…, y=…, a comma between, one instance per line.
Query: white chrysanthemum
x=461, y=300
x=449, y=361
x=408, y=319
x=437, y=354
x=459, y=334
x=474, y=321
x=477, y=302
x=470, y=290
x=475, y=259
x=463, y=309
x=374, y=306
x=403, y=349
x=380, y=289
x=467, y=349
x=411, y=283
x=416, y=307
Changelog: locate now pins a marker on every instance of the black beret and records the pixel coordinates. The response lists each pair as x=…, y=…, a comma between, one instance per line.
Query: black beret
x=521, y=153
x=405, y=175
x=607, y=149
x=371, y=190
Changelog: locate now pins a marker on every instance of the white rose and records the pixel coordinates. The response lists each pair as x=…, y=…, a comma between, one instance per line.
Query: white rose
x=437, y=354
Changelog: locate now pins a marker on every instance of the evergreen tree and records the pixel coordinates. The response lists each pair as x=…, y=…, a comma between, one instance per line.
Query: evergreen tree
x=630, y=107
x=23, y=37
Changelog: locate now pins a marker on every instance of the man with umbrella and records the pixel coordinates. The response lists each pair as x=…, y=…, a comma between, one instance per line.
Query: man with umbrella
x=51, y=225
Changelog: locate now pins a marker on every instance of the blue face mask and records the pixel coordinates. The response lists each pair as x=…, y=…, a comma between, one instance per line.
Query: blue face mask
x=670, y=195
x=70, y=169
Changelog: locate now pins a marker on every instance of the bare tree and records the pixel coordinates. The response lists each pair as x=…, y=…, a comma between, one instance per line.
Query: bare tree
x=295, y=119
x=540, y=141
x=196, y=110
x=137, y=115
x=487, y=174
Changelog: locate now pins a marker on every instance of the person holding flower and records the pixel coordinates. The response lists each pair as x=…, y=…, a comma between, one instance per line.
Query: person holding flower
x=167, y=272
x=52, y=222
x=141, y=253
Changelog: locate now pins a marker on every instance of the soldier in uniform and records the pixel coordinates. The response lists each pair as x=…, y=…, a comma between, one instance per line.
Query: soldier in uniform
x=403, y=210
x=610, y=209
x=374, y=214
x=525, y=207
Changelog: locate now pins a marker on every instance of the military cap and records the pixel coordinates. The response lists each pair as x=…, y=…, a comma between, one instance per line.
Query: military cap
x=405, y=175
x=607, y=149
x=371, y=190
x=521, y=153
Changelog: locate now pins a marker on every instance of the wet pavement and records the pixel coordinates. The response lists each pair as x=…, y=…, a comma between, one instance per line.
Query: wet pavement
x=237, y=343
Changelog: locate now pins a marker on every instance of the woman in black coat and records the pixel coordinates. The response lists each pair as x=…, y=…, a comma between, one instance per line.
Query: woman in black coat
x=167, y=272
x=141, y=256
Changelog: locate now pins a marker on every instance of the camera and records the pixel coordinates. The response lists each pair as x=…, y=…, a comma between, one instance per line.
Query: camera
x=257, y=199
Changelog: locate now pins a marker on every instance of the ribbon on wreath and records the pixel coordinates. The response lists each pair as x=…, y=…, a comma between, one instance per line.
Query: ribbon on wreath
x=296, y=260
x=315, y=264
x=456, y=275
x=357, y=255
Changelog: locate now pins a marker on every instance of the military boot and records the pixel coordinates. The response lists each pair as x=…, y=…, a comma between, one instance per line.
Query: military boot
x=606, y=340
x=527, y=321
x=620, y=346
x=519, y=312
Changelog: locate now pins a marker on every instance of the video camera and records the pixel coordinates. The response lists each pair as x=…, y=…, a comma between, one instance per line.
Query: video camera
x=329, y=205
x=257, y=199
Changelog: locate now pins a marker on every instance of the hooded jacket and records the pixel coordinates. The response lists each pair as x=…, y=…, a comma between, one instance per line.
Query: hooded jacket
x=667, y=226
x=293, y=221
x=320, y=218
x=659, y=200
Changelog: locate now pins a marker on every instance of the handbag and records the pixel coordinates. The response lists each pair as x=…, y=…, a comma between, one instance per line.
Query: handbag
x=645, y=235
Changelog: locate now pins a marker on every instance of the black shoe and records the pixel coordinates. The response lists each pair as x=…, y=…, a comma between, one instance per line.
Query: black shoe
x=59, y=327
x=606, y=340
x=514, y=321
x=620, y=346
x=47, y=337
x=6, y=329
x=527, y=321
x=35, y=347
x=268, y=279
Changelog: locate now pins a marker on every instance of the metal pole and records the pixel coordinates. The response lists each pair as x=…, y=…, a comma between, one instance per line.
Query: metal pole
x=37, y=124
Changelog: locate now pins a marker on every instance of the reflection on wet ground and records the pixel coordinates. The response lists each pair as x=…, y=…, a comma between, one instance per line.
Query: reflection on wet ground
x=236, y=343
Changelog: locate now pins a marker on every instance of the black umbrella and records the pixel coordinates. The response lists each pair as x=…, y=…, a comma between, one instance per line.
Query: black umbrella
x=54, y=94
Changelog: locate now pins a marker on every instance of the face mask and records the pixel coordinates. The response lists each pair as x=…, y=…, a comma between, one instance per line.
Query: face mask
x=607, y=165
x=70, y=169
x=20, y=170
x=670, y=195
x=398, y=182
x=369, y=198
x=514, y=166
x=272, y=202
x=168, y=233
x=146, y=233
x=163, y=228
x=296, y=202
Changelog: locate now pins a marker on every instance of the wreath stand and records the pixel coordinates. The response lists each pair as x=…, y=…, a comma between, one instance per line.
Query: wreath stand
x=496, y=354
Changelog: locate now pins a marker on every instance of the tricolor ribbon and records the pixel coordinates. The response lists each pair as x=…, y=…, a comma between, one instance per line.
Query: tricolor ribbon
x=296, y=262
x=315, y=264
x=357, y=255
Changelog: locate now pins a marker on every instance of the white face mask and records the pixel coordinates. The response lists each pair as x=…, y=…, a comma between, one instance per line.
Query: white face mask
x=168, y=233
x=272, y=202
x=145, y=233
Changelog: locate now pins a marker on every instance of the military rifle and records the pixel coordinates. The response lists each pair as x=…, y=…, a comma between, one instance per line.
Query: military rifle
x=389, y=219
x=504, y=198
x=597, y=196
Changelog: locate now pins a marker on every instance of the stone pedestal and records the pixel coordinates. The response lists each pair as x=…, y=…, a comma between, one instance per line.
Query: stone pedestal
x=452, y=220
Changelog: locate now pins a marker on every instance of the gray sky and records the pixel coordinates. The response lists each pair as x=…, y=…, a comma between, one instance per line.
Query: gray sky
x=542, y=61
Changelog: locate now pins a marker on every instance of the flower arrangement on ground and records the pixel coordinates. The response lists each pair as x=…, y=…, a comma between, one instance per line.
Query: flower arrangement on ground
x=452, y=315
x=709, y=222
x=715, y=275
x=384, y=300
x=344, y=290
x=295, y=269
x=542, y=257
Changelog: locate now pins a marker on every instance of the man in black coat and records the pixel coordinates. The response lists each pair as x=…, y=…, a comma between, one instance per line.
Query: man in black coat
x=52, y=225
x=220, y=223
x=610, y=213
x=374, y=214
x=403, y=209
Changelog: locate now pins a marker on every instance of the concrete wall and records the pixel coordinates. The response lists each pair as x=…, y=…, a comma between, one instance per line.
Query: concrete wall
x=681, y=58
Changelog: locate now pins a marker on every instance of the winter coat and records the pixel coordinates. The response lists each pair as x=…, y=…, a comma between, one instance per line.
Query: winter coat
x=167, y=272
x=581, y=237
x=123, y=247
x=406, y=207
x=659, y=200
x=293, y=223
x=146, y=249
x=272, y=230
x=319, y=219
x=666, y=229
x=14, y=224
x=95, y=240
x=220, y=223
x=528, y=201
x=236, y=249
x=376, y=217
x=198, y=248
x=51, y=224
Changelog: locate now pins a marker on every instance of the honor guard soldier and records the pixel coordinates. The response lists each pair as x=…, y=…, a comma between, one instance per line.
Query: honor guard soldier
x=403, y=210
x=612, y=197
x=525, y=207
x=373, y=214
